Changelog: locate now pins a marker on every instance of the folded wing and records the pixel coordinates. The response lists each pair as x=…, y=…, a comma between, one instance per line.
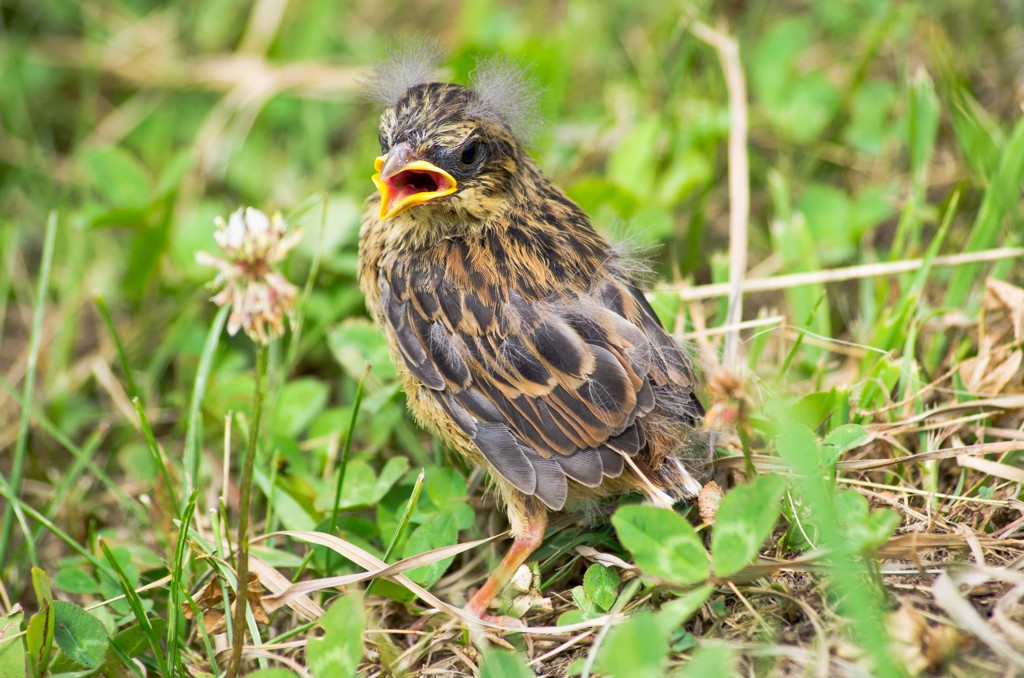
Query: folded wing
x=548, y=390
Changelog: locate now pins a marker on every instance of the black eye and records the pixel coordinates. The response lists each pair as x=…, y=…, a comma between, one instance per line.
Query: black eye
x=469, y=153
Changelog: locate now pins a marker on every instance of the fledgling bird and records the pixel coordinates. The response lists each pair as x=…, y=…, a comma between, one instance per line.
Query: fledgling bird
x=518, y=334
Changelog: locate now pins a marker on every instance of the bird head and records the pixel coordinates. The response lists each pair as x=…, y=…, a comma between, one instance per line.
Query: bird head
x=441, y=146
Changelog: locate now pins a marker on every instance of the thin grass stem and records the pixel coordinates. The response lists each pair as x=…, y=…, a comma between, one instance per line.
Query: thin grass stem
x=245, y=494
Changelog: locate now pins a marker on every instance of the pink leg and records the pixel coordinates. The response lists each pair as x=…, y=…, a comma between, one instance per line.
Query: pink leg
x=523, y=545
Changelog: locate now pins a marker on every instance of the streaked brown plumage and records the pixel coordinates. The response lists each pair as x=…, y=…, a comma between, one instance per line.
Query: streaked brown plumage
x=518, y=335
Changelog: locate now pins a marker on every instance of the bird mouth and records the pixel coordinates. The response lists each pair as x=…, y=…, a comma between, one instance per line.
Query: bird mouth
x=404, y=184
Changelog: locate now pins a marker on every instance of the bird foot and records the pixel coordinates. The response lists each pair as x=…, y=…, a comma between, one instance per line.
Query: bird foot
x=496, y=619
x=505, y=621
x=496, y=636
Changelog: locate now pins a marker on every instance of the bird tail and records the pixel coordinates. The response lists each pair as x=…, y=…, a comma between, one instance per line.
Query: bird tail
x=669, y=484
x=676, y=481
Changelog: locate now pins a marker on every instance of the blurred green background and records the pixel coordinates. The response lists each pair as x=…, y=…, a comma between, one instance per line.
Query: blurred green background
x=139, y=122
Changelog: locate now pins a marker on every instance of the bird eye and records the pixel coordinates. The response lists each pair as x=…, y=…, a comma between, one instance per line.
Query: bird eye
x=469, y=153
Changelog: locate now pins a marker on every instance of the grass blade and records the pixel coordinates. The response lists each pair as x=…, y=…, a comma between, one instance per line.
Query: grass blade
x=1002, y=194
x=923, y=124
x=135, y=602
x=21, y=447
x=195, y=424
x=403, y=524
x=179, y=583
x=343, y=461
x=155, y=453
x=122, y=355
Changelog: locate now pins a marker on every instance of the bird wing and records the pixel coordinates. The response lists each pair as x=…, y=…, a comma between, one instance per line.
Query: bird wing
x=547, y=390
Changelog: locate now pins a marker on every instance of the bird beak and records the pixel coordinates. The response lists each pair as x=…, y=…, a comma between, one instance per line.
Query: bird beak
x=404, y=181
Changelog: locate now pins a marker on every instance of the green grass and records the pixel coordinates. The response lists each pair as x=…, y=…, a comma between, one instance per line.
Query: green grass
x=881, y=420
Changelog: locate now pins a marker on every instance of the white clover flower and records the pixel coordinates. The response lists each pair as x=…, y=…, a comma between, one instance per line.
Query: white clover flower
x=260, y=297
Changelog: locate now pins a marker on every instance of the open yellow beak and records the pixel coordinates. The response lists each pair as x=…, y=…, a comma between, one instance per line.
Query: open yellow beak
x=405, y=182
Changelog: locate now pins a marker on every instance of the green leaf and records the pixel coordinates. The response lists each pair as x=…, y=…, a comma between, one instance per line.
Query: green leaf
x=39, y=639
x=437, y=531
x=446, y=488
x=362, y=486
x=444, y=485
x=673, y=613
x=882, y=378
x=41, y=585
x=871, y=127
x=386, y=588
x=799, y=447
x=841, y=439
x=851, y=507
x=571, y=617
x=12, y=652
x=300, y=402
x=744, y=520
x=288, y=508
x=773, y=55
x=864, y=531
x=587, y=607
x=124, y=558
x=710, y=661
x=392, y=472
x=132, y=640
x=173, y=171
x=878, y=527
x=635, y=649
x=663, y=544
x=118, y=177
x=827, y=210
x=339, y=650
x=79, y=635
x=600, y=584
x=75, y=580
x=631, y=166
x=503, y=665
x=356, y=342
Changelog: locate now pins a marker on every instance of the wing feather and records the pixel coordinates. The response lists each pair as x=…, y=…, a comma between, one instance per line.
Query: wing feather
x=548, y=390
x=507, y=456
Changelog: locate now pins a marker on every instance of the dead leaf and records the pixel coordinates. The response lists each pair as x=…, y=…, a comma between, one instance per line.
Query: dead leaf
x=254, y=592
x=606, y=559
x=371, y=563
x=1002, y=296
x=277, y=583
x=708, y=500
x=989, y=375
x=211, y=596
x=210, y=602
